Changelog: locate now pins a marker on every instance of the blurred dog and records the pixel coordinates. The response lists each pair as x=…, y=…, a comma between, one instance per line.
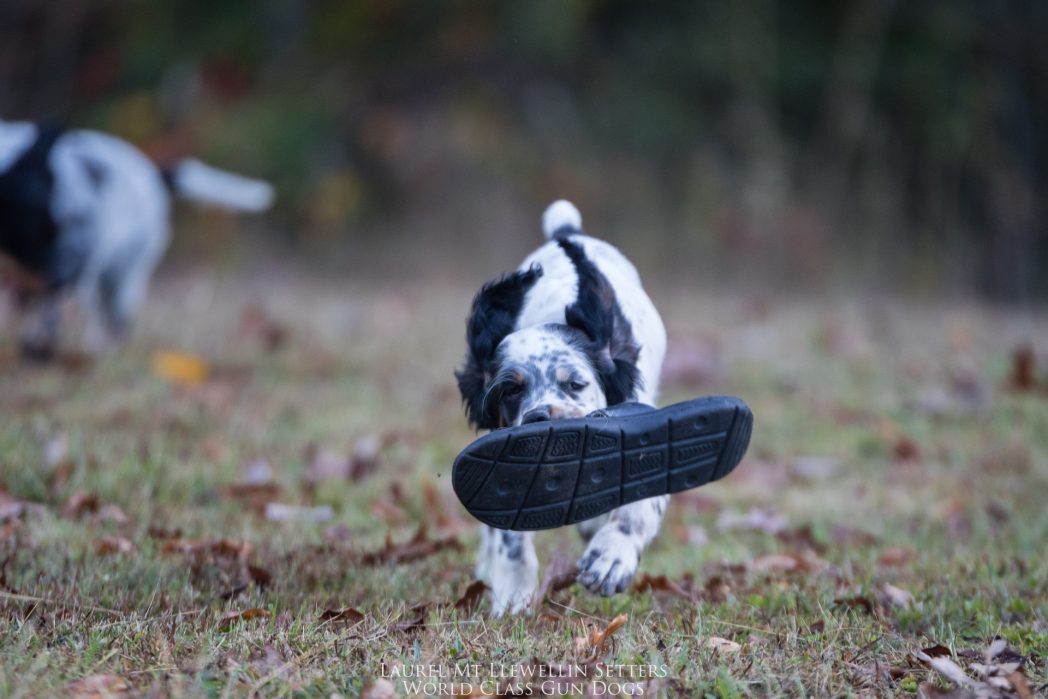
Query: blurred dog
x=570, y=332
x=86, y=211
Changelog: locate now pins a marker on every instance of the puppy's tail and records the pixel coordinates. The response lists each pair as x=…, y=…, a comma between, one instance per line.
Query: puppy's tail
x=194, y=181
x=560, y=220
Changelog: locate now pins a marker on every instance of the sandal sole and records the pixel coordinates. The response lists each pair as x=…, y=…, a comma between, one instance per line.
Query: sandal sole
x=550, y=474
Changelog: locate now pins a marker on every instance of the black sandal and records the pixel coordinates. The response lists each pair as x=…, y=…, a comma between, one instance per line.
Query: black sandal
x=548, y=474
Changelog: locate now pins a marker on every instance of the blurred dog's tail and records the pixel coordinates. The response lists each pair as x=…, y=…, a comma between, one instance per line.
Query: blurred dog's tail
x=194, y=181
x=561, y=219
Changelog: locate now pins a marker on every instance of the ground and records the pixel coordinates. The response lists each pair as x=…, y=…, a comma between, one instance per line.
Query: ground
x=244, y=519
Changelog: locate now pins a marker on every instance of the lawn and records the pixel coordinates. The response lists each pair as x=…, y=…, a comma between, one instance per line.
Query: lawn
x=271, y=515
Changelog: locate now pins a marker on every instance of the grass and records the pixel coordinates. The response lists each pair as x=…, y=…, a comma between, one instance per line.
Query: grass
x=888, y=451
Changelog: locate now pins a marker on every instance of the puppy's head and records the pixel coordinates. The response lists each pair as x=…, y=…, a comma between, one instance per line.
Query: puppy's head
x=549, y=371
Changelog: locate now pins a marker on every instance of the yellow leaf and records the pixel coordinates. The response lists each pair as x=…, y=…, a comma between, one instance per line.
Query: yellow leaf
x=180, y=367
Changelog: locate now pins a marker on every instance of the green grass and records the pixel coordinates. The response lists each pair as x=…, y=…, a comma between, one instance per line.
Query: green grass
x=843, y=382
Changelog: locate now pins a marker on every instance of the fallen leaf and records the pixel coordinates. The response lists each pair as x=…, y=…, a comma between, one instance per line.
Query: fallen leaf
x=256, y=472
x=11, y=509
x=856, y=602
x=388, y=512
x=113, y=515
x=278, y=512
x=346, y=615
x=598, y=638
x=56, y=450
x=364, y=460
x=937, y=651
x=325, y=464
x=260, y=576
x=100, y=687
x=1024, y=369
x=113, y=544
x=905, y=449
x=181, y=368
x=661, y=583
x=80, y=503
x=380, y=688
x=227, y=548
x=716, y=589
x=927, y=690
x=896, y=596
x=230, y=618
x=420, y=546
x=722, y=645
x=1018, y=681
x=471, y=597
x=753, y=520
x=843, y=535
x=414, y=620
x=256, y=325
x=896, y=556
x=560, y=574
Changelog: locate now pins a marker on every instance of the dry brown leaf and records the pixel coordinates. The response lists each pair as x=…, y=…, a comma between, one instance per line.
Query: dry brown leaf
x=469, y=600
x=181, y=368
x=257, y=326
x=414, y=620
x=346, y=615
x=856, y=602
x=420, y=546
x=937, y=651
x=1020, y=685
x=223, y=548
x=113, y=544
x=716, y=589
x=598, y=638
x=388, y=512
x=560, y=574
x=100, y=687
x=230, y=618
x=927, y=690
x=661, y=583
x=905, y=449
x=896, y=596
x=79, y=503
x=279, y=512
x=896, y=556
x=843, y=535
x=722, y=645
x=380, y=688
x=365, y=458
x=1024, y=369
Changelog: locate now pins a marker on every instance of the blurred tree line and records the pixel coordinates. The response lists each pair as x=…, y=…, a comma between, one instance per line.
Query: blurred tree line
x=894, y=143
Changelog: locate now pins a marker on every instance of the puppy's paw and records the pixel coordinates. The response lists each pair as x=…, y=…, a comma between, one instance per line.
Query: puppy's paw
x=609, y=563
x=511, y=598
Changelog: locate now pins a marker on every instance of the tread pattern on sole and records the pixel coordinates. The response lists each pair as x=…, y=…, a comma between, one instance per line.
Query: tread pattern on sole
x=546, y=475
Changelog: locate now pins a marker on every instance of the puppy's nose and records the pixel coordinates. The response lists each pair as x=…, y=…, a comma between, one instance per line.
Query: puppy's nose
x=536, y=415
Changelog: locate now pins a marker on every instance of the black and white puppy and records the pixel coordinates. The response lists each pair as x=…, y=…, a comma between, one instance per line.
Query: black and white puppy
x=571, y=331
x=86, y=211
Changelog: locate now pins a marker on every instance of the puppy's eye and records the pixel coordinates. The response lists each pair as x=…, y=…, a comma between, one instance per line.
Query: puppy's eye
x=577, y=385
x=514, y=389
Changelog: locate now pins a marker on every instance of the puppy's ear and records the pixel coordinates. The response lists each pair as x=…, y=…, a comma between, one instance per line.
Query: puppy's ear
x=494, y=315
x=597, y=314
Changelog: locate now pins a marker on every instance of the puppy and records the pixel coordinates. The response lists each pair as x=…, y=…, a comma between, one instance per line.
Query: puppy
x=84, y=211
x=570, y=332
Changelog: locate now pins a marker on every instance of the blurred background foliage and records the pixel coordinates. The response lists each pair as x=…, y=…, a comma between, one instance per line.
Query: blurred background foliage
x=889, y=145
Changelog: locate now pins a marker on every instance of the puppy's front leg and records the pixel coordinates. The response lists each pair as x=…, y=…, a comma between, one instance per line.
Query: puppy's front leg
x=514, y=571
x=613, y=554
